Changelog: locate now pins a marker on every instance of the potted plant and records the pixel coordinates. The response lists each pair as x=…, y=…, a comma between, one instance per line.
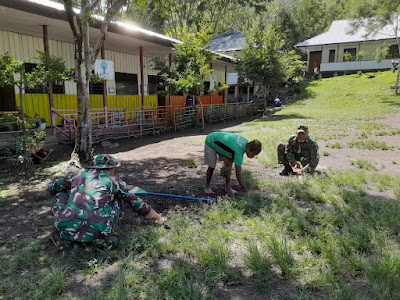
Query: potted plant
x=34, y=142
x=42, y=123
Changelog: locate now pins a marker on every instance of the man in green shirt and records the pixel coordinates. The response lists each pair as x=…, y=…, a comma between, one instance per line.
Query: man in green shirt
x=230, y=148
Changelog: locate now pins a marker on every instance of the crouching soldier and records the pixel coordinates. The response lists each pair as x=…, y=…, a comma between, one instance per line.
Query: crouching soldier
x=299, y=148
x=88, y=203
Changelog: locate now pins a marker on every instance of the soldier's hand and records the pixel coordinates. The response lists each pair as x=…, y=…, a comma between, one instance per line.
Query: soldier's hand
x=163, y=221
x=298, y=171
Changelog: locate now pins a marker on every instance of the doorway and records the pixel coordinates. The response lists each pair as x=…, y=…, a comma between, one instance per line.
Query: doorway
x=315, y=60
x=7, y=99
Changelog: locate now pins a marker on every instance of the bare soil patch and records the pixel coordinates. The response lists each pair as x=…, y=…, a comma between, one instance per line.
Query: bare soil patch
x=159, y=164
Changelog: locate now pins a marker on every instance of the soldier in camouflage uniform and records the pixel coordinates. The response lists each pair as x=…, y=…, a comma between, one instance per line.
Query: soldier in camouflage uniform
x=88, y=203
x=299, y=147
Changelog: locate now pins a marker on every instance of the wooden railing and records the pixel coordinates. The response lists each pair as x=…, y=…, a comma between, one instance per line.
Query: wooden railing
x=133, y=121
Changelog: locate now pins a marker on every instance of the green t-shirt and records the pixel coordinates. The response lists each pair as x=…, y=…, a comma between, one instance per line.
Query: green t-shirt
x=229, y=144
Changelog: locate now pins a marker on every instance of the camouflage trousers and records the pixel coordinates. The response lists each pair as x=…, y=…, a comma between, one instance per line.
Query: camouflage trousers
x=76, y=226
x=283, y=159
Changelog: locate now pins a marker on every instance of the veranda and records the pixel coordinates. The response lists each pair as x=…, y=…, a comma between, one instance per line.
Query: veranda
x=131, y=115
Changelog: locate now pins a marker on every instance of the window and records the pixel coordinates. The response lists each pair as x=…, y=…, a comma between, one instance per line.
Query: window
x=126, y=84
x=58, y=87
x=206, y=87
x=332, y=55
x=153, y=84
x=352, y=51
x=393, y=52
x=32, y=90
x=96, y=88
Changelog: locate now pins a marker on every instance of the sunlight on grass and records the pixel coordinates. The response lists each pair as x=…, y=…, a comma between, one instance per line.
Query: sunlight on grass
x=333, y=236
x=363, y=164
x=369, y=145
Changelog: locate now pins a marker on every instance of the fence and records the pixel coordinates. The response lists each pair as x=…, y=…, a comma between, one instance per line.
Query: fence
x=135, y=121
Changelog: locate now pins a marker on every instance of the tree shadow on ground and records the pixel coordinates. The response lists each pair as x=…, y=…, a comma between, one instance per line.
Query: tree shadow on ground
x=274, y=118
x=394, y=102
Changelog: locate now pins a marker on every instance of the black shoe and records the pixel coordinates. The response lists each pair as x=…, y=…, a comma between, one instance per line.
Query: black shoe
x=286, y=171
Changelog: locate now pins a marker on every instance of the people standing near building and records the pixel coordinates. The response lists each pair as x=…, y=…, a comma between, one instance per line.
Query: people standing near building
x=88, y=203
x=299, y=154
x=230, y=148
x=316, y=72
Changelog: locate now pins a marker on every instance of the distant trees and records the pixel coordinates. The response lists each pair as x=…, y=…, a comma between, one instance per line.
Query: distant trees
x=175, y=17
x=191, y=65
x=374, y=15
x=264, y=62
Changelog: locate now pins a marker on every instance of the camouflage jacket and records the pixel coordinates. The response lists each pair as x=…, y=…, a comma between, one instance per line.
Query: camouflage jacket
x=88, y=203
x=307, y=149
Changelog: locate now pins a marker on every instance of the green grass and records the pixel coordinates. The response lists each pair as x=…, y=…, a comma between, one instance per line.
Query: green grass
x=329, y=237
x=191, y=163
x=335, y=145
x=257, y=261
x=369, y=145
x=383, y=133
x=363, y=164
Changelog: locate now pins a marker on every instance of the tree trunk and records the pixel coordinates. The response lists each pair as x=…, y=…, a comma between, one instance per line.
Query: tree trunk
x=398, y=69
x=84, y=67
x=85, y=57
x=265, y=92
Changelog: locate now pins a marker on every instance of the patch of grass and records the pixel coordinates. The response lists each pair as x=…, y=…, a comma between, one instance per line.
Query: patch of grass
x=383, y=133
x=215, y=256
x=363, y=135
x=384, y=277
x=191, y=163
x=257, y=261
x=196, y=142
x=335, y=145
x=182, y=282
x=370, y=126
x=224, y=213
x=363, y=164
x=282, y=254
x=53, y=283
x=325, y=153
x=369, y=145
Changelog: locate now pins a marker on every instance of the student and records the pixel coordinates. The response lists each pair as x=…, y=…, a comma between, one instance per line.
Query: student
x=88, y=203
x=231, y=149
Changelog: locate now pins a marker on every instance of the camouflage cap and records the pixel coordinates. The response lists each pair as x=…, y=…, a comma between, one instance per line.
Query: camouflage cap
x=302, y=128
x=105, y=161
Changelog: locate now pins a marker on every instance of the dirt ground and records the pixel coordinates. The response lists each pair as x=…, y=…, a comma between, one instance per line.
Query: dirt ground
x=159, y=164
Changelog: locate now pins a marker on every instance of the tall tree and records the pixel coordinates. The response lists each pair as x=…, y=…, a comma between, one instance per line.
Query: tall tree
x=263, y=62
x=85, y=57
x=376, y=14
x=191, y=65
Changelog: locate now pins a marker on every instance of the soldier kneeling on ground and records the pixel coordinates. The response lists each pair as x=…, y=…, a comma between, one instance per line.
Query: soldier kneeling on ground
x=302, y=148
x=88, y=203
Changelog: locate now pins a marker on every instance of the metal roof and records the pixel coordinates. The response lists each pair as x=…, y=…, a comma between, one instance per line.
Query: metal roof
x=341, y=32
x=54, y=10
x=232, y=40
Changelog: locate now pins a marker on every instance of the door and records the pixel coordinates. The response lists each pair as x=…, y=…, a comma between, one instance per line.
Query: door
x=7, y=99
x=315, y=61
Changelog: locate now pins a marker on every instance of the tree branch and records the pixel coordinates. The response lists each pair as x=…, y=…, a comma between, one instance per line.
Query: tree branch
x=71, y=18
x=111, y=12
x=94, y=5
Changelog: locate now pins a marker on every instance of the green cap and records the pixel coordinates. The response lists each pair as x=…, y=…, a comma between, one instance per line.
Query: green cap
x=105, y=161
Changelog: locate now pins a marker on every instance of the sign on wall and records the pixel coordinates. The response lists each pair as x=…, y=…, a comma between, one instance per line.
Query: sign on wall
x=212, y=82
x=105, y=69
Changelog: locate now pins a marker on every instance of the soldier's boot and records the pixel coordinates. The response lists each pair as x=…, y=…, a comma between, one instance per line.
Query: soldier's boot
x=287, y=171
